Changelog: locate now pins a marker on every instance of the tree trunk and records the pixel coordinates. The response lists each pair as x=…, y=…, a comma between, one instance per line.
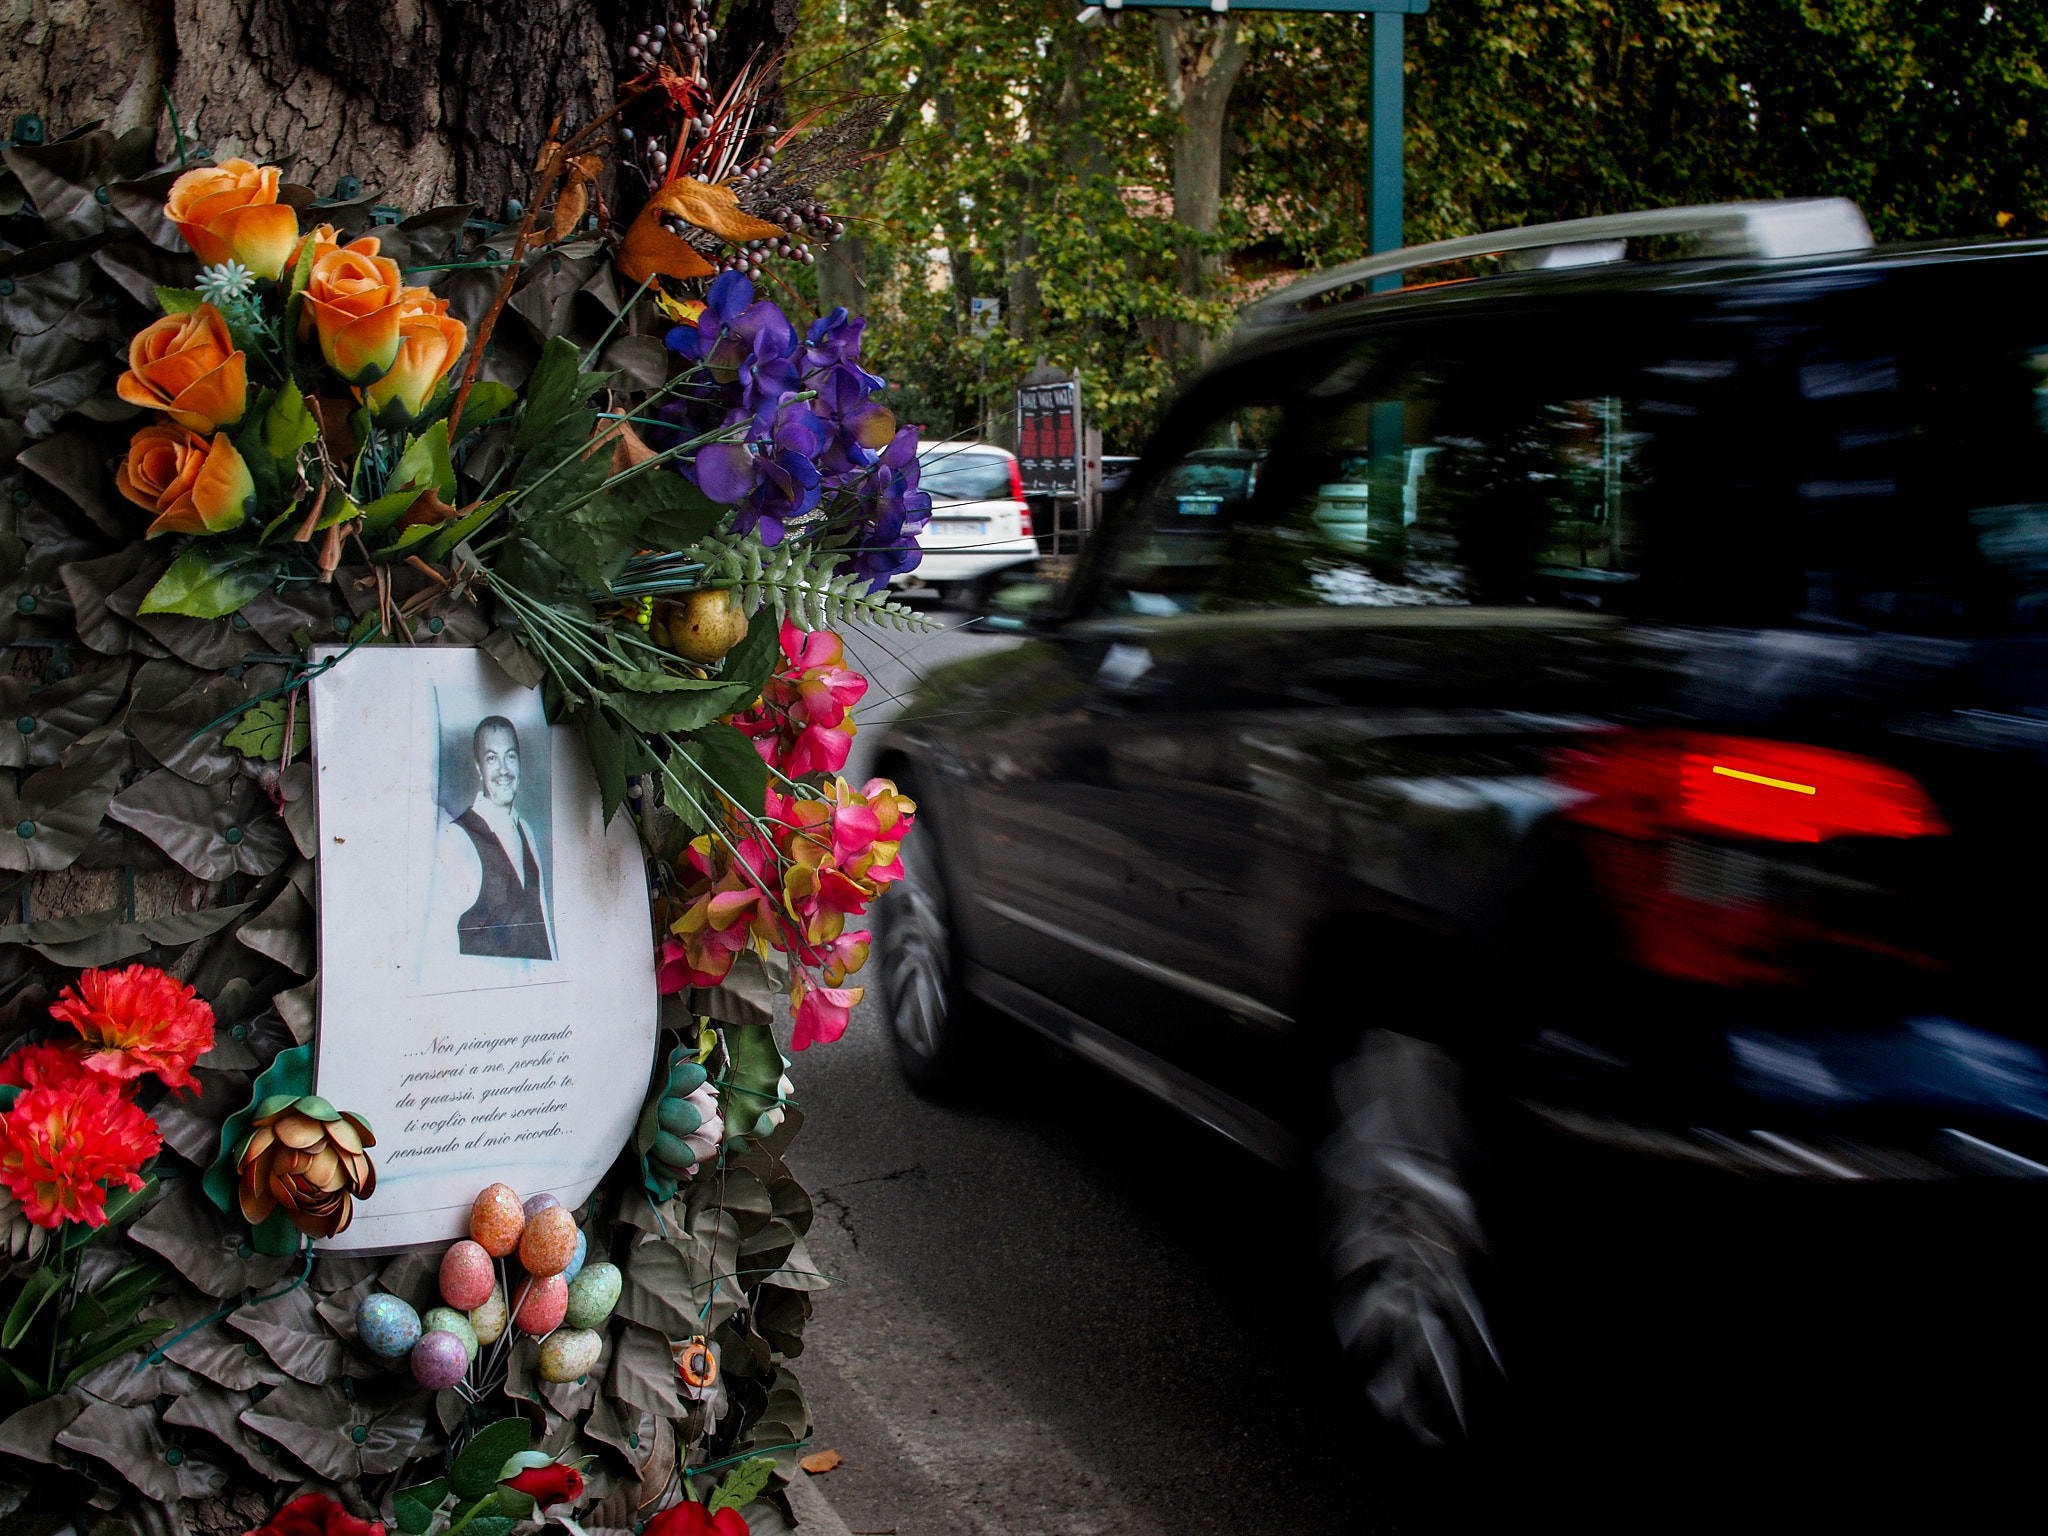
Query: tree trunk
x=1201, y=57
x=424, y=101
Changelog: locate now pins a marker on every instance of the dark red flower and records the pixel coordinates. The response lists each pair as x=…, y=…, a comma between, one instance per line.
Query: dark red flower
x=691, y=1520
x=138, y=1019
x=549, y=1485
x=314, y=1514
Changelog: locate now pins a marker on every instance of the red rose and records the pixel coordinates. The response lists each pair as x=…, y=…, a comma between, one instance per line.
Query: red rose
x=549, y=1485
x=314, y=1514
x=691, y=1520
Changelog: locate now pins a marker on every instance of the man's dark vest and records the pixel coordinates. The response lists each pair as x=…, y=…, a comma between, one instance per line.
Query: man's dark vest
x=507, y=919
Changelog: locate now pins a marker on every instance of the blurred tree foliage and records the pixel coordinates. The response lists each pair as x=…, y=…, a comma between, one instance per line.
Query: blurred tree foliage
x=1031, y=159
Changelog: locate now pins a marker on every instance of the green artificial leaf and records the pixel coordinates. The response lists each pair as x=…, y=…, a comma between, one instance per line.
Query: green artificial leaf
x=208, y=581
x=616, y=754
x=475, y=1472
x=415, y=1507
x=663, y=682
x=488, y=400
x=550, y=394
x=275, y=1235
x=489, y=1525
x=753, y=1072
x=386, y=509
x=290, y=1074
x=178, y=301
x=42, y=1285
x=120, y=1344
x=742, y=1485
x=260, y=731
x=302, y=274
x=747, y=667
x=120, y=1203
x=288, y=425
x=448, y=535
x=418, y=533
x=587, y=533
x=425, y=462
x=677, y=514
x=115, y=1304
x=727, y=758
x=528, y=567
x=271, y=528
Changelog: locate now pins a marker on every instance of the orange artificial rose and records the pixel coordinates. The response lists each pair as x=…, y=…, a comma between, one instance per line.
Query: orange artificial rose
x=192, y=486
x=187, y=367
x=428, y=345
x=230, y=211
x=356, y=298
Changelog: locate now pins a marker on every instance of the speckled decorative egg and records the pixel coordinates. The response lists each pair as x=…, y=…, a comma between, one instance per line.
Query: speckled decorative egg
x=496, y=1220
x=570, y=1353
x=592, y=1295
x=386, y=1324
x=489, y=1319
x=576, y=1259
x=466, y=1275
x=547, y=1299
x=549, y=1241
x=448, y=1320
x=439, y=1360
x=535, y=1204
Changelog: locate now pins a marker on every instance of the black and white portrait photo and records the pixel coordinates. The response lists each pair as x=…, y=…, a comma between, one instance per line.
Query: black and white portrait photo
x=493, y=855
x=489, y=881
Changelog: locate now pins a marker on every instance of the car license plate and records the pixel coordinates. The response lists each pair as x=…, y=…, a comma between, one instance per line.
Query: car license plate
x=964, y=527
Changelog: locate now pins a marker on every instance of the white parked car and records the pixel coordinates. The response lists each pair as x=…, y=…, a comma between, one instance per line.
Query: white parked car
x=980, y=524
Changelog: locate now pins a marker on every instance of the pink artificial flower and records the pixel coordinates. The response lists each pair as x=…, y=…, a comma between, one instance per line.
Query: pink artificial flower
x=821, y=1012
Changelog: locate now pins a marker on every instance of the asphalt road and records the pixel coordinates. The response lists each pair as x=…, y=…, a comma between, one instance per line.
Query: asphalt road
x=1061, y=1310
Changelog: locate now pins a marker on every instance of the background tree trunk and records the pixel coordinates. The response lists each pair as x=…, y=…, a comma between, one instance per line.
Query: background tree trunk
x=1200, y=57
x=424, y=101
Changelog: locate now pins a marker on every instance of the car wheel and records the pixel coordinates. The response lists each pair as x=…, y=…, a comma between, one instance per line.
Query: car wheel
x=937, y=1028
x=1405, y=1242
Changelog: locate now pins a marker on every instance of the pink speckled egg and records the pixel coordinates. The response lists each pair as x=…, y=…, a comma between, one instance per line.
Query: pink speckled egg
x=496, y=1220
x=535, y=1204
x=547, y=1299
x=466, y=1275
x=549, y=1241
x=439, y=1360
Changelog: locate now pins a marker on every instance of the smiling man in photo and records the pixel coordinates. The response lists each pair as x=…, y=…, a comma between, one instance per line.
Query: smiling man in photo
x=490, y=875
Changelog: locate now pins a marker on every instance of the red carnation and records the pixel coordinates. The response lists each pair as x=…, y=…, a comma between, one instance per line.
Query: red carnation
x=314, y=1514
x=691, y=1520
x=42, y=1066
x=60, y=1141
x=549, y=1485
x=138, y=1020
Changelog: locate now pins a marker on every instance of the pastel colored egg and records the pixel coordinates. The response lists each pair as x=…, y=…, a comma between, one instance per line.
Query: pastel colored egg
x=576, y=1260
x=547, y=1301
x=535, y=1204
x=448, y=1320
x=489, y=1319
x=570, y=1353
x=387, y=1324
x=466, y=1275
x=439, y=1360
x=592, y=1295
x=549, y=1241
x=496, y=1220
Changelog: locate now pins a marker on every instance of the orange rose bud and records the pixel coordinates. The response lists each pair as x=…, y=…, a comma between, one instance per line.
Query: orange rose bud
x=215, y=497
x=428, y=345
x=187, y=367
x=356, y=298
x=163, y=461
x=231, y=210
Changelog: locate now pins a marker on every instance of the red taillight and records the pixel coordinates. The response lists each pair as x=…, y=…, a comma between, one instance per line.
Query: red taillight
x=1656, y=784
x=1023, y=522
x=1712, y=911
x=1016, y=481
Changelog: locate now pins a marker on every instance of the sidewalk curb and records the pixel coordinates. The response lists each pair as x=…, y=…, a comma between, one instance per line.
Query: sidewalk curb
x=814, y=1512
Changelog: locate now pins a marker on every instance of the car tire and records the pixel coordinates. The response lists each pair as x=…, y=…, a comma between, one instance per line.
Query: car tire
x=940, y=1033
x=1405, y=1241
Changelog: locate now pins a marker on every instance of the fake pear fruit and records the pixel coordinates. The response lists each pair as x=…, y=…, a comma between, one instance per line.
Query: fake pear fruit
x=702, y=627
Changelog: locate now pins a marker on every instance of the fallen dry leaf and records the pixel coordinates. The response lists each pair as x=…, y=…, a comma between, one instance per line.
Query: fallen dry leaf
x=648, y=249
x=716, y=207
x=569, y=208
x=821, y=1461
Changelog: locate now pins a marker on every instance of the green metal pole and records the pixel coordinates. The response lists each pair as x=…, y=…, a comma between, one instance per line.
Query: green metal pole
x=1386, y=139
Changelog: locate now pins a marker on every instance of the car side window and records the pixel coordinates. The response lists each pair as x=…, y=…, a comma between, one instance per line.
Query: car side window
x=1397, y=476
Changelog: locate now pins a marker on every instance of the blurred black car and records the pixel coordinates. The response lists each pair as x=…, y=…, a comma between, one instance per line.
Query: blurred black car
x=1661, y=758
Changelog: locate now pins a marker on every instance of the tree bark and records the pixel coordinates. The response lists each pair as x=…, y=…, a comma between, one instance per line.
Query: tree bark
x=424, y=101
x=1201, y=58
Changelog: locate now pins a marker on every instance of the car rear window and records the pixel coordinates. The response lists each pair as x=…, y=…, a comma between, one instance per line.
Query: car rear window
x=1861, y=448
x=959, y=474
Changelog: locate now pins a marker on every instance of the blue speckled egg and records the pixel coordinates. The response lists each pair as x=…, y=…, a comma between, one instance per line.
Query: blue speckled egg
x=387, y=1325
x=576, y=1259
